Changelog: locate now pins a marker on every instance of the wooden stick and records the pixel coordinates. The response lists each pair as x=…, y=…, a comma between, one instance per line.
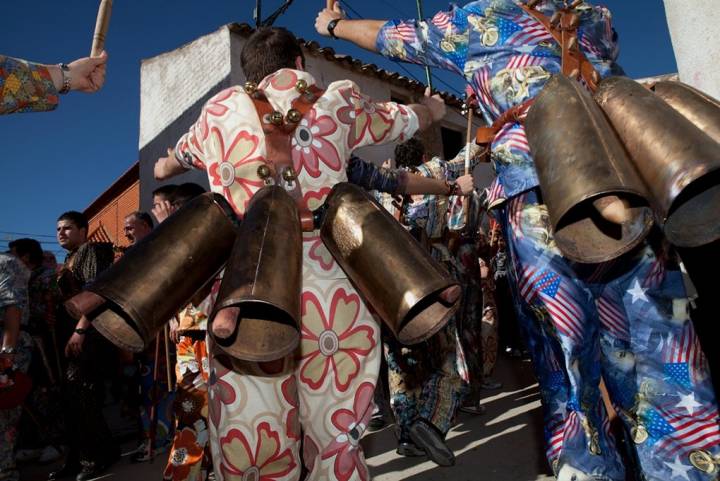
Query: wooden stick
x=330, y=4
x=468, y=146
x=167, y=359
x=101, y=27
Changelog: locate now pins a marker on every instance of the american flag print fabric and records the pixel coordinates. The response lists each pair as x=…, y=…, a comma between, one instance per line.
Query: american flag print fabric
x=620, y=327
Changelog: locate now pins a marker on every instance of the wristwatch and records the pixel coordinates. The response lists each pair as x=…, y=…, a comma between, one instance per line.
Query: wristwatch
x=331, y=27
x=80, y=330
x=64, y=69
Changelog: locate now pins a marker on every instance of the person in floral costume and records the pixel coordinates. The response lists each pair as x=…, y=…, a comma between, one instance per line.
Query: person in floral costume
x=624, y=321
x=320, y=399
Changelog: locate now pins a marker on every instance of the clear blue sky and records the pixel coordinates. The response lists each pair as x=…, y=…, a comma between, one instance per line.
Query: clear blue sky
x=62, y=160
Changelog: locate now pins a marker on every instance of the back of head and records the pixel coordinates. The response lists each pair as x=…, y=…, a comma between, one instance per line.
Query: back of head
x=165, y=191
x=268, y=50
x=27, y=247
x=186, y=192
x=410, y=153
x=77, y=218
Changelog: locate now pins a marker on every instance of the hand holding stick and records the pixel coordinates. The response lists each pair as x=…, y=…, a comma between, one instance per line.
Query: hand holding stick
x=101, y=27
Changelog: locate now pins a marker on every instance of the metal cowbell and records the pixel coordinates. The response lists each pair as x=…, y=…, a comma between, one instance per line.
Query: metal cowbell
x=579, y=159
x=696, y=106
x=678, y=162
x=262, y=284
x=131, y=301
x=411, y=292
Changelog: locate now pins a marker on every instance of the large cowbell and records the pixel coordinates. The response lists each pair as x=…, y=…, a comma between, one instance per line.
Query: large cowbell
x=679, y=162
x=261, y=287
x=578, y=159
x=131, y=301
x=410, y=291
x=699, y=108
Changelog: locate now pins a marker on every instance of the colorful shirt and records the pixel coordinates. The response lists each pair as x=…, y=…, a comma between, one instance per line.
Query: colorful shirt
x=44, y=296
x=507, y=57
x=13, y=287
x=25, y=87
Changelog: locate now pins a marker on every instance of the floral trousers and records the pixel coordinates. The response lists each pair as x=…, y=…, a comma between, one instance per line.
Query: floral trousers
x=189, y=458
x=303, y=415
x=626, y=322
x=10, y=418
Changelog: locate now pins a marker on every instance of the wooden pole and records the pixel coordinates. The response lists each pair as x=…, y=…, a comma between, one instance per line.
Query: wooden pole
x=428, y=73
x=167, y=360
x=101, y=27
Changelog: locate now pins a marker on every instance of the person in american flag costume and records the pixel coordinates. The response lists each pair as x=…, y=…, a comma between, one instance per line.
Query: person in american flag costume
x=625, y=321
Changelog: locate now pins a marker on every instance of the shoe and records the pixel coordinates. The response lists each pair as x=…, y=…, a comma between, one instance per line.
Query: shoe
x=491, y=384
x=409, y=449
x=67, y=470
x=143, y=455
x=429, y=438
x=49, y=454
x=476, y=409
x=27, y=455
x=91, y=469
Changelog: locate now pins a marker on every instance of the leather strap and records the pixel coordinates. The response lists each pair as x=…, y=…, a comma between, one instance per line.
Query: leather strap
x=485, y=135
x=278, y=138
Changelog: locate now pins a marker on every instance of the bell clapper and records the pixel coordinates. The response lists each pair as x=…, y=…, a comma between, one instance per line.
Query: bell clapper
x=613, y=208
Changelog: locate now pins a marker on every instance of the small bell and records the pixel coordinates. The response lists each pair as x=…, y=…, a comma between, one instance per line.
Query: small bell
x=293, y=116
x=250, y=87
x=301, y=86
x=289, y=175
x=263, y=171
x=276, y=118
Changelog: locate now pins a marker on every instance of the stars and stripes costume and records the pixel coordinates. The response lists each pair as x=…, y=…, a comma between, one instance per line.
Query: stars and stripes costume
x=624, y=320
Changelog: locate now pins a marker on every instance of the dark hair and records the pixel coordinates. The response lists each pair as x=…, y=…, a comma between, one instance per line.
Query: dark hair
x=186, y=192
x=268, y=50
x=29, y=247
x=409, y=153
x=143, y=217
x=77, y=218
x=166, y=190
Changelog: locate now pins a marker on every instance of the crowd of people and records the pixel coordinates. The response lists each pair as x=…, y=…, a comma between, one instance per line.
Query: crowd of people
x=625, y=387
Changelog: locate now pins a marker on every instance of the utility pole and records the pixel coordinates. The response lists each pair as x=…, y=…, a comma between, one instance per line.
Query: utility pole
x=428, y=74
x=257, y=13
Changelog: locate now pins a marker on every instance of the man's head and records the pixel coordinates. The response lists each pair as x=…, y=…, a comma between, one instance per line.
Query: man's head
x=49, y=260
x=163, y=193
x=185, y=193
x=410, y=153
x=28, y=251
x=268, y=50
x=137, y=225
x=72, y=230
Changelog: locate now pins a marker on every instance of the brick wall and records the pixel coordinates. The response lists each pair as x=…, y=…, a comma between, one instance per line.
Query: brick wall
x=112, y=216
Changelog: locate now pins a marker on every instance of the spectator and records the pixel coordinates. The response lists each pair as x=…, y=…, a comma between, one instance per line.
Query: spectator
x=162, y=198
x=137, y=225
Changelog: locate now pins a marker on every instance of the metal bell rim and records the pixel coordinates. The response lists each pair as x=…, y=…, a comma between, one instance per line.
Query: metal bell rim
x=256, y=355
x=108, y=322
x=583, y=254
x=685, y=229
x=411, y=319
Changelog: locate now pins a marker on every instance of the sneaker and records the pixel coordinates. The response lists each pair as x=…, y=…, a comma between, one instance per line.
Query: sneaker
x=490, y=384
x=49, y=454
x=409, y=449
x=428, y=437
x=27, y=455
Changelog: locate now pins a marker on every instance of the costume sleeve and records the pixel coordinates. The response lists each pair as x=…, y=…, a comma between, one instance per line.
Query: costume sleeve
x=10, y=289
x=440, y=41
x=91, y=259
x=371, y=177
x=191, y=148
x=25, y=87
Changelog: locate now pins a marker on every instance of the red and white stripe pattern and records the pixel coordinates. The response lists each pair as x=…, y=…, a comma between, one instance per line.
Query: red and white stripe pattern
x=531, y=32
x=555, y=293
x=495, y=193
x=442, y=20
x=515, y=210
x=562, y=430
x=655, y=275
x=524, y=60
x=512, y=136
x=701, y=430
x=484, y=91
x=686, y=349
x=404, y=31
x=588, y=47
x=612, y=318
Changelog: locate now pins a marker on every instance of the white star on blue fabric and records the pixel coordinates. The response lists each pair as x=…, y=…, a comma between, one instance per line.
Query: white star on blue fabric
x=561, y=408
x=637, y=292
x=688, y=402
x=678, y=469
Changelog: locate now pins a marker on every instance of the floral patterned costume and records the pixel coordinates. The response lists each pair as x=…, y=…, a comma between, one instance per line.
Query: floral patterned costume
x=25, y=87
x=260, y=414
x=625, y=320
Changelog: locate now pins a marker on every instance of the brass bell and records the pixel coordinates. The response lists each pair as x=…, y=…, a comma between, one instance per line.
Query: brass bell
x=289, y=174
x=293, y=116
x=250, y=87
x=276, y=118
x=263, y=171
x=301, y=85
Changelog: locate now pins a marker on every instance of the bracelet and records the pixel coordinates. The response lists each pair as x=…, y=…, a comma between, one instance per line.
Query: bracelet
x=331, y=27
x=453, y=188
x=80, y=330
x=7, y=350
x=65, y=79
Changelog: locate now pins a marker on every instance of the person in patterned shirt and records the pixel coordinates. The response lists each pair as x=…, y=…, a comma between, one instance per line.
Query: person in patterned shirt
x=321, y=398
x=34, y=87
x=626, y=321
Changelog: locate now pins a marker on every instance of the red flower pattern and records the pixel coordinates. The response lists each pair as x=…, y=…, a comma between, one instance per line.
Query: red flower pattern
x=332, y=343
x=310, y=144
x=351, y=425
x=264, y=463
x=367, y=117
x=292, y=422
x=221, y=392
